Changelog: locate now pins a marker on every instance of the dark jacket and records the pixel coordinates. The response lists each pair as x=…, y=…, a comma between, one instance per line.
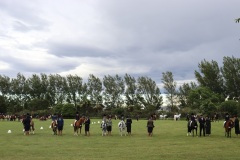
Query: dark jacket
x=202, y=121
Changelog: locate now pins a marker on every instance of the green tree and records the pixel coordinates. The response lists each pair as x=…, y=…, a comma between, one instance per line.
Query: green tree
x=149, y=94
x=183, y=93
x=113, y=91
x=95, y=89
x=85, y=103
x=44, y=86
x=170, y=87
x=57, y=89
x=35, y=86
x=20, y=90
x=74, y=86
x=210, y=76
x=38, y=104
x=5, y=84
x=204, y=100
x=231, y=74
x=67, y=110
x=3, y=104
x=232, y=107
x=131, y=94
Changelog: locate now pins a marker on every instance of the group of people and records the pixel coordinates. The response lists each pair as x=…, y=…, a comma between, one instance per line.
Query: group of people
x=108, y=121
x=84, y=120
x=58, y=120
x=204, y=124
x=235, y=122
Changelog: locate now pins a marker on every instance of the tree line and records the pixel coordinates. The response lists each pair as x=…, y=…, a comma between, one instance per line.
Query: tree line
x=216, y=89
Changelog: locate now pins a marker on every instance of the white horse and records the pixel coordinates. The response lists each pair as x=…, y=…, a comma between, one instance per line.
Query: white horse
x=122, y=127
x=177, y=117
x=104, y=128
x=163, y=116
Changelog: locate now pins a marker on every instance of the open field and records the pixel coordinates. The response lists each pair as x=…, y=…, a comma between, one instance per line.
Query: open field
x=168, y=142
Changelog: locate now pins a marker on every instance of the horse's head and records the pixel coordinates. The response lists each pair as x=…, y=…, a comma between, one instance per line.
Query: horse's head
x=103, y=125
x=82, y=120
x=193, y=124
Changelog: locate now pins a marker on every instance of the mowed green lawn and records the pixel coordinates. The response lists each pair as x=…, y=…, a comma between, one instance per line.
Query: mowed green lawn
x=170, y=141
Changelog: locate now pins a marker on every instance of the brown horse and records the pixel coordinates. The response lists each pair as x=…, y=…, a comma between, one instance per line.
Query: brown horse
x=2, y=117
x=54, y=127
x=78, y=125
x=228, y=127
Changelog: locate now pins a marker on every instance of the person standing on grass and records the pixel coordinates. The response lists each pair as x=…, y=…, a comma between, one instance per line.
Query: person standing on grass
x=60, y=124
x=236, y=125
x=202, y=122
x=208, y=126
x=129, y=125
x=26, y=123
x=87, y=126
x=150, y=126
x=109, y=126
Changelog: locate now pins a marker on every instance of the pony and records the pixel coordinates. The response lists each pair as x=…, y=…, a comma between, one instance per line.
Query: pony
x=163, y=116
x=2, y=117
x=32, y=129
x=54, y=127
x=13, y=117
x=122, y=127
x=104, y=128
x=191, y=126
x=228, y=127
x=78, y=125
x=177, y=117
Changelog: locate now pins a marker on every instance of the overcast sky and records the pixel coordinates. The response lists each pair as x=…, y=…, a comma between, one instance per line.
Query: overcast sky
x=109, y=37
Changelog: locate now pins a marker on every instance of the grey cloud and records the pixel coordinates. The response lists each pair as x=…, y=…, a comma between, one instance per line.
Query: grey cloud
x=70, y=50
x=26, y=18
x=21, y=27
x=158, y=35
x=49, y=66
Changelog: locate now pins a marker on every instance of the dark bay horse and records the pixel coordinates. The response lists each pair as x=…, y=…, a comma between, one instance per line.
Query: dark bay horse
x=54, y=127
x=192, y=125
x=78, y=125
x=228, y=127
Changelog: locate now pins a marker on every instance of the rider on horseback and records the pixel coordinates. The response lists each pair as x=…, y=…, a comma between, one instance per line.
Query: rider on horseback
x=77, y=117
x=227, y=117
x=54, y=118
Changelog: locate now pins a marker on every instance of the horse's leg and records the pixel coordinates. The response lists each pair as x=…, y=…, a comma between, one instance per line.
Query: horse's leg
x=33, y=129
x=75, y=130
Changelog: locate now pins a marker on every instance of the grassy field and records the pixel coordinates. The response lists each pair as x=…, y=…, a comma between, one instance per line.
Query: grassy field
x=170, y=141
